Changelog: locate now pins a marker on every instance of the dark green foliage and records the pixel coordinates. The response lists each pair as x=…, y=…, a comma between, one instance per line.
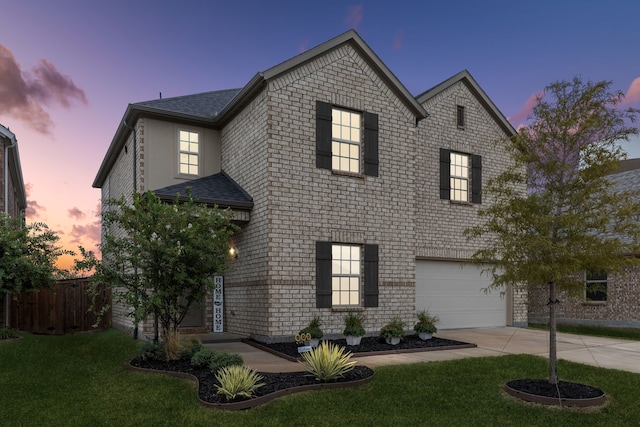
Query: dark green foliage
x=314, y=328
x=152, y=351
x=426, y=322
x=215, y=360
x=224, y=359
x=29, y=254
x=188, y=348
x=393, y=329
x=354, y=325
x=203, y=357
x=6, y=333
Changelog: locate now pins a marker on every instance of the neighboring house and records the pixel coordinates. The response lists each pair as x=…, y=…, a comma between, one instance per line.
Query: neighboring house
x=12, y=192
x=351, y=193
x=607, y=299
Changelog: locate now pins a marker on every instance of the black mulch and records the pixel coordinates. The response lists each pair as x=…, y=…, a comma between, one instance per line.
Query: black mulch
x=371, y=345
x=568, y=390
x=273, y=382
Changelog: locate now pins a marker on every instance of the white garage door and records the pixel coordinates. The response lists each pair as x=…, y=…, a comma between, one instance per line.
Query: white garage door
x=456, y=295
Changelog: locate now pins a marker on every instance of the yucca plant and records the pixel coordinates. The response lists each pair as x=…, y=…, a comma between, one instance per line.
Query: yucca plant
x=238, y=381
x=327, y=361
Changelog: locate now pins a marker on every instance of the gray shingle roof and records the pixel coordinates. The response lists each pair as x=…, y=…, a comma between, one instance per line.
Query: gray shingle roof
x=218, y=189
x=206, y=105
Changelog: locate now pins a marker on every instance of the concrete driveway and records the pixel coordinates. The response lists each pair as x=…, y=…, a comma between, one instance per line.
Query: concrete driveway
x=603, y=352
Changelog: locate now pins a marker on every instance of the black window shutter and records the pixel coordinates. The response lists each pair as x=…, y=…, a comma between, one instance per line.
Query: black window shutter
x=476, y=179
x=323, y=135
x=323, y=274
x=370, y=275
x=370, y=144
x=445, y=174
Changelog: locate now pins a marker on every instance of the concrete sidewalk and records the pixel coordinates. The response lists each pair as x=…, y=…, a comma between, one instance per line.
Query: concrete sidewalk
x=603, y=352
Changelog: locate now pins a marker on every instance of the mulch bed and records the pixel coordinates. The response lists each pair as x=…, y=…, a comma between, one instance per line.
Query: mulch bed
x=564, y=394
x=276, y=385
x=280, y=384
x=369, y=346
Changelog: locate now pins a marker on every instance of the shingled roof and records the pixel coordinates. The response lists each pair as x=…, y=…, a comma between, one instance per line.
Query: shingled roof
x=205, y=105
x=218, y=189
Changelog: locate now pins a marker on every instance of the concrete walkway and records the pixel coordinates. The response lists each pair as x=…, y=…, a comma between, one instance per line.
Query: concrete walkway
x=603, y=352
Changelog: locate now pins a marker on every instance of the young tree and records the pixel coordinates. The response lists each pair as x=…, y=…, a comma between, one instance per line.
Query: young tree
x=554, y=214
x=28, y=256
x=159, y=258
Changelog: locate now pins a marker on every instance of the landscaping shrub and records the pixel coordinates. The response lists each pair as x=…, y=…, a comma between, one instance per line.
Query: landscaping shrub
x=152, y=351
x=327, y=361
x=223, y=359
x=189, y=347
x=203, y=357
x=6, y=333
x=238, y=381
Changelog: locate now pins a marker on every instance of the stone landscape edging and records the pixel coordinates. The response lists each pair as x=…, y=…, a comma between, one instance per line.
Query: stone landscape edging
x=255, y=401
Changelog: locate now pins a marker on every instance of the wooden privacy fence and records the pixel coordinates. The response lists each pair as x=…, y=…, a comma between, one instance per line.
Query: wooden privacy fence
x=59, y=310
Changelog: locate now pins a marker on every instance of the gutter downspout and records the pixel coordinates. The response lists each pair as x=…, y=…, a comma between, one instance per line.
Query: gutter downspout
x=135, y=190
x=14, y=143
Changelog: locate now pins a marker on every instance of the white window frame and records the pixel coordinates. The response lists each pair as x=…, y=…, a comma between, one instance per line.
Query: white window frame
x=188, y=151
x=346, y=274
x=346, y=140
x=460, y=177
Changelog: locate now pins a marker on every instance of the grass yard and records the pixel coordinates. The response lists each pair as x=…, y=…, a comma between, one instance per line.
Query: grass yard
x=598, y=331
x=83, y=380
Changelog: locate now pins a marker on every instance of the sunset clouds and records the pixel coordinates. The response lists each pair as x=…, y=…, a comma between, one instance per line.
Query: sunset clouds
x=354, y=16
x=25, y=95
x=633, y=93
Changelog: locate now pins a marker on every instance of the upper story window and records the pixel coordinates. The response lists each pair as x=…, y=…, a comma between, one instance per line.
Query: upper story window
x=460, y=116
x=189, y=152
x=345, y=140
x=460, y=176
x=596, y=286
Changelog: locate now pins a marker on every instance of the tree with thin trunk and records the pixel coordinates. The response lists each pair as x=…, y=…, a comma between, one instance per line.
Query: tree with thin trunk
x=554, y=215
x=160, y=258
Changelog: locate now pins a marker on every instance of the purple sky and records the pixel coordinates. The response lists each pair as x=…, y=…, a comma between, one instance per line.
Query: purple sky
x=68, y=68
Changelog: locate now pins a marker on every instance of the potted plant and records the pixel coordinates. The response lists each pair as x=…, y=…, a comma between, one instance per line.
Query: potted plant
x=353, y=328
x=426, y=325
x=393, y=331
x=314, y=331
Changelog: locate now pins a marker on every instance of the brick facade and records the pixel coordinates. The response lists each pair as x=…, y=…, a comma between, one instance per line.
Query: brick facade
x=622, y=308
x=268, y=146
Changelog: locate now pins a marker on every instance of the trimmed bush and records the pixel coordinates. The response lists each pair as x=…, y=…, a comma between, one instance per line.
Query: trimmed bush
x=6, y=333
x=151, y=351
x=223, y=360
x=189, y=347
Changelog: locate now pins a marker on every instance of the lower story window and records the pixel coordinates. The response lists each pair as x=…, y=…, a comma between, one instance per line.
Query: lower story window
x=346, y=274
x=596, y=286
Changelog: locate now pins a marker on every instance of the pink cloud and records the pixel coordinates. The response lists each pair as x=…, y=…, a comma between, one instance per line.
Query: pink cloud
x=521, y=116
x=302, y=47
x=33, y=208
x=76, y=213
x=633, y=93
x=397, y=42
x=89, y=232
x=23, y=95
x=355, y=16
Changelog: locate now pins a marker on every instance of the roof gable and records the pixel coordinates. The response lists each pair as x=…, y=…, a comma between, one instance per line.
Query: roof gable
x=205, y=105
x=473, y=86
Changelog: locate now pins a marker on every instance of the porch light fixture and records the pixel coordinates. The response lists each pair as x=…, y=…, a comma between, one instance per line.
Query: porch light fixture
x=233, y=253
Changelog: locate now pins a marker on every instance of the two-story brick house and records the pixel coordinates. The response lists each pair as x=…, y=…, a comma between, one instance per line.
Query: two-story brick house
x=352, y=194
x=13, y=198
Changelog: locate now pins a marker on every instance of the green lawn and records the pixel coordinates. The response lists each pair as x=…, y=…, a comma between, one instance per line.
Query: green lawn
x=598, y=331
x=83, y=380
